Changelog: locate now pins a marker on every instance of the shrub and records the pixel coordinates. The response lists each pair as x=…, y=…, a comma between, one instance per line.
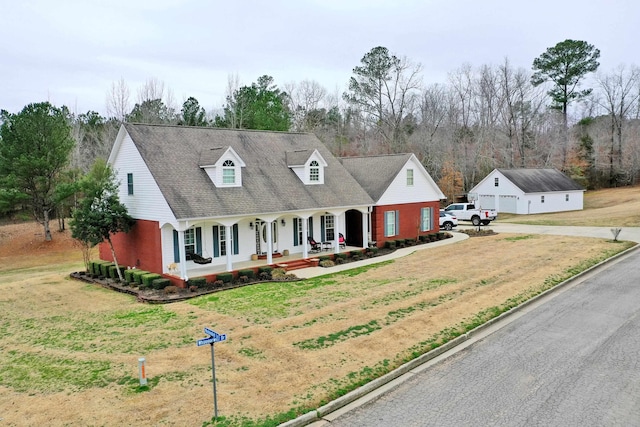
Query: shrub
x=409, y=242
x=158, y=283
x=250, y=274
x=265, y=269
x=373, y=250
x=264, y=276
x=148, y=278
x=197, y=281
x=341, y=257
x=142, y=287
x=193, y=288
x=243, y=279
x=170, y=289
x=390, y=244
x=113, y=271
x=278, y=273
x=356, y=253
x=128, y=275
x=400, y=243
x=218, y=284
x=225, y=277
x=326, y=263
x=324, y=258
x=104, y=268
x=137, y=276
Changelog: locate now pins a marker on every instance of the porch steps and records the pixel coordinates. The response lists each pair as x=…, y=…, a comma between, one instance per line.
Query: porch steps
x=297, y=264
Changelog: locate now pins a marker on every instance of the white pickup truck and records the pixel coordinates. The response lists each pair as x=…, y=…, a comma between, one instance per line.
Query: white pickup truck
x=469, y=212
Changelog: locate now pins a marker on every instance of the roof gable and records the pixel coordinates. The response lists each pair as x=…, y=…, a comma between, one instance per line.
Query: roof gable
x=376, y=173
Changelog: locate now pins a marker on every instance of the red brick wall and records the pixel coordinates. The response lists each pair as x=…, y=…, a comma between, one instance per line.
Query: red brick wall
x=409, y=221
x=140, y=247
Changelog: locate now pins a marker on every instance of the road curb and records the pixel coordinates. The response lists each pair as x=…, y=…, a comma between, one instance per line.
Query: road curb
x=371, y=387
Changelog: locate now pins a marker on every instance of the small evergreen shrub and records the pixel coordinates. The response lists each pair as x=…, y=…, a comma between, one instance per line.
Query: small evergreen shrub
x=225, y=277
x=400, y=243
x=104, y=268
x=148, y=278
x=355, y=253
x=159, y=283
x=390, y=244
x=265, y=269
x=128, y=275
x=218, y=284
x=324, y=258
x=424, y=238
x=143, y=287
x=137, y=276
x=373, y=250
x=250, y=274
x=197, y=282
x=341, y=256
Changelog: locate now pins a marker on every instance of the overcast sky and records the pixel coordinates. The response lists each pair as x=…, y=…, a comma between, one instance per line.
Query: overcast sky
x=70, y=52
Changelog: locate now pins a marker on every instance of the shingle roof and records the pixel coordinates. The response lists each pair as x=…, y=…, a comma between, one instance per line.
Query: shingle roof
x=540, y=180
x=173, y=154
x=375, y=173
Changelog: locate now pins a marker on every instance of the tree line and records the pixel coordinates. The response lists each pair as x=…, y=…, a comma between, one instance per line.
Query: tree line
x=483, y=117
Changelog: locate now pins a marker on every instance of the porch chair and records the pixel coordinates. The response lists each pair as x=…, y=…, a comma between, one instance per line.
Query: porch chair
x=341, y=241
x=315, y=246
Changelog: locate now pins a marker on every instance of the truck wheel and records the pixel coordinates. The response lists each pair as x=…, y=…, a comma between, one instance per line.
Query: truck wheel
x=485, y=222
x=475, y=220
x=447, y=226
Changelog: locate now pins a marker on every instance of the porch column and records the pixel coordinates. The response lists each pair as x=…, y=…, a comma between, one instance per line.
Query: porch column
x=366, y=216
x=229, y=246
x=183, y=256
x=269, y=242
x=305, y=230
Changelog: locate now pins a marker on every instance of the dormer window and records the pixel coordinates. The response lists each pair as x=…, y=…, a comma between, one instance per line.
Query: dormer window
x=314, y=171
x=228, y=173
x=308, y=165
x=223, y=165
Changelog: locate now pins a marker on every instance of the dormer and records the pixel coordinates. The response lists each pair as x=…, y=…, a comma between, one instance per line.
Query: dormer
x=308, y=165
x=223, y=165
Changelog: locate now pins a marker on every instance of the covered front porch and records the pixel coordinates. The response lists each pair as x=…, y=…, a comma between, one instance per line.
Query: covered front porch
x=207, y=247
x=290, y=262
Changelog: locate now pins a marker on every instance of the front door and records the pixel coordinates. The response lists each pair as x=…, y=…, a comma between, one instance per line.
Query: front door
x=261, y=237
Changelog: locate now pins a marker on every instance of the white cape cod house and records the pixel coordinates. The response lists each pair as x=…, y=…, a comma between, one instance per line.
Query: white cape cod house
x=230, y=196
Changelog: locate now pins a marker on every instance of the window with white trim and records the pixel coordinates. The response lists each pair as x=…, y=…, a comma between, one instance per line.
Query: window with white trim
x=189, y=242
x=566, y=197
x=425, y=219
x=496, y=182
x=409, y=177
x=228, y=172
x=314, y=171
x=390, y=223
x=329, y=227
x=130, y=184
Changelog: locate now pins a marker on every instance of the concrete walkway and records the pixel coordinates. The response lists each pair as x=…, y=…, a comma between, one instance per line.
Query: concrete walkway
x=306, y=273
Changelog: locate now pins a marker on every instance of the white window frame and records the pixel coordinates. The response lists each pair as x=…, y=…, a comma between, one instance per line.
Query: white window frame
x=329, y=228
x=190, y=241
x=314, y=171
x=228, y=172
x=426, y=219
x=390, y=224
x=409, y=177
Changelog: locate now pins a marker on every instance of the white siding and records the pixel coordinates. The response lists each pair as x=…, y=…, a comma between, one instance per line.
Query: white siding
x=529, y=203
x=147, y=202
x=422, y=189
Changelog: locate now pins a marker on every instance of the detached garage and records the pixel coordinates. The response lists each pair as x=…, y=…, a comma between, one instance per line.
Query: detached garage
x=529, y=191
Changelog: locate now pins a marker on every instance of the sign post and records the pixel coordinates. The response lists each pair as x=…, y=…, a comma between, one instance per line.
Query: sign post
x=213, y=337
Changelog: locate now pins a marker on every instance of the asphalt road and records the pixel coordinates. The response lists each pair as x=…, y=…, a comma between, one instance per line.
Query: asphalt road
x=572, y=359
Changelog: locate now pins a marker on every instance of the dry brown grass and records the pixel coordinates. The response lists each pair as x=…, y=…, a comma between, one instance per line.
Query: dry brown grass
x=616, y=207
x=53, y=330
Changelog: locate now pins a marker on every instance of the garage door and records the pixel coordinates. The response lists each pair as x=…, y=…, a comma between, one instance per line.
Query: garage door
x=487, y=201
x=508, y=204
